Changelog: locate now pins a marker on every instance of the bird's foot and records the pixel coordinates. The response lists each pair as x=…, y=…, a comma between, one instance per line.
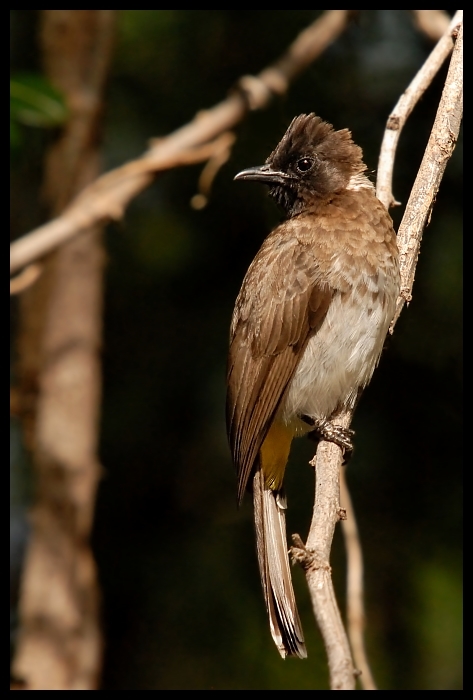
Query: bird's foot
x=332, y=432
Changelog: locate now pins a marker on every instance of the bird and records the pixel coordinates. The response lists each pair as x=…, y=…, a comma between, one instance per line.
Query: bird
x=307, y=331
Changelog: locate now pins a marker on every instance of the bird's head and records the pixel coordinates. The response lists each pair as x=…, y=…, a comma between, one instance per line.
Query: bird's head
x=310, y=163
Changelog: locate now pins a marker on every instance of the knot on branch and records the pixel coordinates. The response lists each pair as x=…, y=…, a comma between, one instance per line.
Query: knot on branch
x=305, y=557
x=455, y=31
x=254, y=91
x=393, y=123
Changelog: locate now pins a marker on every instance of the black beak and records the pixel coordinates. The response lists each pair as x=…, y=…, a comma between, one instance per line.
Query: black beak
x=264, y=173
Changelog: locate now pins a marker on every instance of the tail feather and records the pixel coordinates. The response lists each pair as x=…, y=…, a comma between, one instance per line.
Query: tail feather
x=271, y=543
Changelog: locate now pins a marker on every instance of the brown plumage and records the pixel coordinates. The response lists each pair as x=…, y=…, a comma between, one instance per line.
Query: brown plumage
x=307, y=330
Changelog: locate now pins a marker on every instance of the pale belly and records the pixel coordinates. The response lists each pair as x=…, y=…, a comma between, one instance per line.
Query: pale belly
x=338, y=360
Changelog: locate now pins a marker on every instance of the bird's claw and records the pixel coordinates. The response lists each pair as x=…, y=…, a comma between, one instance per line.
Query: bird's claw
x=332, y=432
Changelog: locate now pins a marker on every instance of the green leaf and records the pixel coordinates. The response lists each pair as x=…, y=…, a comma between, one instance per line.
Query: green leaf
x=35, y=102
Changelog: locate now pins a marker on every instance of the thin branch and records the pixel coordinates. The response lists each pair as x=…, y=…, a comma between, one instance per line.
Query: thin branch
x=314, y=558
x=108, y=197
x=404, y=107
x=355, y=603
x=442, y=141
x=211, y=168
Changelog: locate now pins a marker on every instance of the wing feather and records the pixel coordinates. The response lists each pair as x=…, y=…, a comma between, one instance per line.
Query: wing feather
x=282, y=302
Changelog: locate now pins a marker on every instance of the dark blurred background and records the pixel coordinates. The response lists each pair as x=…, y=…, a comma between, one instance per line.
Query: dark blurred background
x=182, y=606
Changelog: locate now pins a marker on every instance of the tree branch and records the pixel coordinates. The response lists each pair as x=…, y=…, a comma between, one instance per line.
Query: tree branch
x=404, y=107
x=314, y=558
x=442, y=141
x=108, y=197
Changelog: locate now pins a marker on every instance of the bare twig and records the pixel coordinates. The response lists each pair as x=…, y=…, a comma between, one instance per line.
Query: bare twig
x=439, y=149
x=220, y=156
x=432, y=22
x=404, y=107
x=108, y=197
x=355, y=604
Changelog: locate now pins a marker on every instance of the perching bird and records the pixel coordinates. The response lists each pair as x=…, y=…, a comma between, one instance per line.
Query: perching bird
x=307, y=330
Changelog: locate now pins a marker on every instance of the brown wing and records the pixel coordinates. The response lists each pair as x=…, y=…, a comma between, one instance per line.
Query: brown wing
x=282, y=302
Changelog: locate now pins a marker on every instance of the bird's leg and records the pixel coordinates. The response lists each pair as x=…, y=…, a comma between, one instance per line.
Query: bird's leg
x=326, y=430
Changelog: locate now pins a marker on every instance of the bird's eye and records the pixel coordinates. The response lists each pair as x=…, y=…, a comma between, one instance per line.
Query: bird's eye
x=304, y=164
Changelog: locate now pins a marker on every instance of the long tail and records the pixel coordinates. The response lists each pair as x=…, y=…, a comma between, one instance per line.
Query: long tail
x=270, y=523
